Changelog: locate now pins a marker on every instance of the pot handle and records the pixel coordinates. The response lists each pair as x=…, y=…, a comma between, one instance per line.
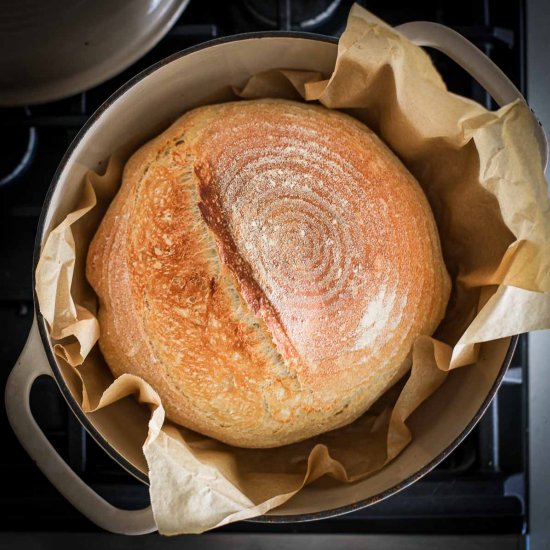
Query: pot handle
x=474, y=62
x=31, y=364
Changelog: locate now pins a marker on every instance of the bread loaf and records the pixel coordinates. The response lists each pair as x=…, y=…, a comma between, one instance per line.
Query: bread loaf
x=266, y=267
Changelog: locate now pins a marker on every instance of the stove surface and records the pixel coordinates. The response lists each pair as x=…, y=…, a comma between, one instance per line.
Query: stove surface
x=480, y=489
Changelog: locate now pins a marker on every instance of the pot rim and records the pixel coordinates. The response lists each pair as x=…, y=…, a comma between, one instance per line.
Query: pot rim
x=75, y=406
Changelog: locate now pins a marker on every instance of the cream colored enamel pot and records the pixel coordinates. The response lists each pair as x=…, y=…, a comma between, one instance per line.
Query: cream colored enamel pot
x=140, y=108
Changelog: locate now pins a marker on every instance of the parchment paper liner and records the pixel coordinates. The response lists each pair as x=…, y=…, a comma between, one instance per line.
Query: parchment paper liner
x=483, y=176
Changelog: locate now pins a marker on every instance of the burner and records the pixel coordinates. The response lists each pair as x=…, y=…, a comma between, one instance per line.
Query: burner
x=18, y=157
x=304, y=15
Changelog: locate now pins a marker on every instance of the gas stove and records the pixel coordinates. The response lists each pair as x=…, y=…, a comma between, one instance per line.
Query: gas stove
x=479, y=491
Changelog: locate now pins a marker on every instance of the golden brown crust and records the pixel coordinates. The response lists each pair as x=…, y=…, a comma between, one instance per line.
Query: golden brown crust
x=266, y=266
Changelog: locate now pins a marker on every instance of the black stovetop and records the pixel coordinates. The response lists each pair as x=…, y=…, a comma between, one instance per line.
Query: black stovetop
x=480, y=488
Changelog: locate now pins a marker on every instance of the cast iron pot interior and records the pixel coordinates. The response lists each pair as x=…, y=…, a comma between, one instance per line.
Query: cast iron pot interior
x=142, y=108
